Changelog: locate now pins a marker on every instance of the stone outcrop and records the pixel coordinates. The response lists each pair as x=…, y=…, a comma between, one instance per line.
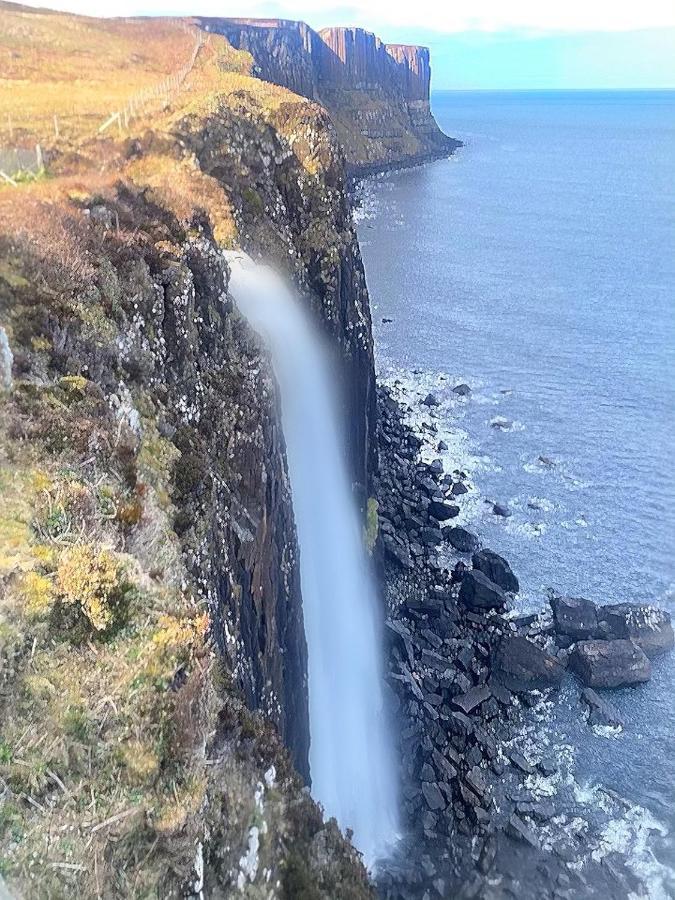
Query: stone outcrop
x=377, y=94
x=610, y=664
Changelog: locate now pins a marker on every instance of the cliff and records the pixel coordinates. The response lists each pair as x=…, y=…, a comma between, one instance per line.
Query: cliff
x=153, y=656
x=377, y=94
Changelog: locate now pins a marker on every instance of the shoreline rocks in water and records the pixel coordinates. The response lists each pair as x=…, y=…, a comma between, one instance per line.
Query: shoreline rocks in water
x=610, y=664
x=462, y=674
x=610, y=645
x=497, y=569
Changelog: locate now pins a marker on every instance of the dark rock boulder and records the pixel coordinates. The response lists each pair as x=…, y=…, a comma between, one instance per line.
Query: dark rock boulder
x=478, y=592
x=574, y=617
x=458, y=488
x=460, y=538
x=497, y=569
x=462, y=389
x=472, y=698
x=648, y=626
x=431, y=400
x=519, y=831
x=397, y=551
x=500, y=509
x=443, y=511
x=433, y=796
x=601, y=711
x=609, y=664
x=431, y=536
x=523, y=666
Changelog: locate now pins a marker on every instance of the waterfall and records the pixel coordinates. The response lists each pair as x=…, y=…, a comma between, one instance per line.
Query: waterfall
x=351, y=764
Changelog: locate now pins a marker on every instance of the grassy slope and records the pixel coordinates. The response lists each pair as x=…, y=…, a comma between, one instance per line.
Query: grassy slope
x=110, y=693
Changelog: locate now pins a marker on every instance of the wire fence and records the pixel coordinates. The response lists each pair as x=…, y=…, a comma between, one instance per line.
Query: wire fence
x=17, y=162
x=20, y=163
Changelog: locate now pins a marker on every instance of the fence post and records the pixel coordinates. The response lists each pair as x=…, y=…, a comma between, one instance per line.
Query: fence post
x=38, y=157
x=56, y=126
x=11, y=129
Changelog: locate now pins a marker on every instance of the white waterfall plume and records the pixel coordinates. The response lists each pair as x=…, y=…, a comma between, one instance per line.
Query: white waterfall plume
x=351, y=759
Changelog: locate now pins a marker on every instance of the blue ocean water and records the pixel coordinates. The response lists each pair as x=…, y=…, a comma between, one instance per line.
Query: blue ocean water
x=538, y=266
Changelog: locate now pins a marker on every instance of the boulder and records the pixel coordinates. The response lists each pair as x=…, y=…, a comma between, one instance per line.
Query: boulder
x=433, y=796
x=472, y=699
x=496, y=568
x=431, y=536
x=519, y=831
x=648, y=626
x=397, y=551
x=609, y=664
x=462, y=389
x=458, y=487
x=499, y=509
x=442, y=511
x=431, y=400
x=574, y=617
x=523, y=666
x=478, y=592
x=601, y=711
x=500, y=423
x=460, y=538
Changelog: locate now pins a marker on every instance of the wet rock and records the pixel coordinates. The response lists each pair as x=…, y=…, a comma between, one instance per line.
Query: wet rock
x=487, y=854
x=574, y=617
x=386, y=320
x=648, y=626
x=431, y=536
x=547, y=462
x=500, y=423
x=442, y=446
x=547, y=766
x=431, y=400
x=519, y=831
x=601, y=711
x=462, y=389
x=442, y=511
x=500, y=509
x=433, y=796
x=497, y=569
x=478, y=592
x=458, y=488
x=471, y=699
x=520, y=762
x=460, y=538
x=475, y=779
x=523, y=666
x=436, y=467
x=396, y=550
x=609, y=664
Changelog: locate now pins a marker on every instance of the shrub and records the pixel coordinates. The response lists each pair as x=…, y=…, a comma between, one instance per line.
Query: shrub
x=93, y=579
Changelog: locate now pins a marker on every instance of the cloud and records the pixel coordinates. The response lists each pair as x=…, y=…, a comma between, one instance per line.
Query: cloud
x=441, y=16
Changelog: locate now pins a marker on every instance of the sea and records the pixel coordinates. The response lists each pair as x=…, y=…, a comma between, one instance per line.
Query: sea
x=537, y=265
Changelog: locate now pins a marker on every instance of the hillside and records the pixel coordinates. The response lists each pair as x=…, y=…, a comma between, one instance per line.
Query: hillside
x=153, y=707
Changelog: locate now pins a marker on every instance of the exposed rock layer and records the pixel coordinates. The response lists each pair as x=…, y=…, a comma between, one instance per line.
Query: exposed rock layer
x=377, y=93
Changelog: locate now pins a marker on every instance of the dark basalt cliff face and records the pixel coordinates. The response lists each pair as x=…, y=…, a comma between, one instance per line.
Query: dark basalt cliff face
x=377, y=94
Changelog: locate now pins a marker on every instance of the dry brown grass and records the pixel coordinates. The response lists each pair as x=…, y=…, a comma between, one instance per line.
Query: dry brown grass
x=81, y=69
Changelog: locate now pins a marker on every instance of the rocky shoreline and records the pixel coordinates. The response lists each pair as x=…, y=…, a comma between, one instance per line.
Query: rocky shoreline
x=465, y=674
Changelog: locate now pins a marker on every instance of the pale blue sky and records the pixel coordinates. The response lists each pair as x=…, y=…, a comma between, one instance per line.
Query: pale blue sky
x=479, y=43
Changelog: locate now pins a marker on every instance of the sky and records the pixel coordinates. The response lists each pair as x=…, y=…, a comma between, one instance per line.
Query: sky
x=487, y=44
